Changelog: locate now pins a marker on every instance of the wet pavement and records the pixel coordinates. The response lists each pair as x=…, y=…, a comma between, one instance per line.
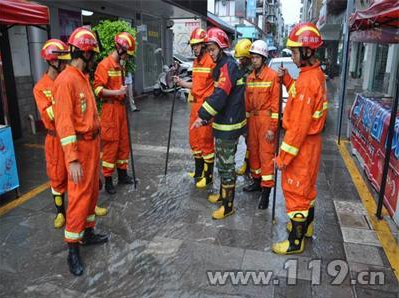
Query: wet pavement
x=165, y=244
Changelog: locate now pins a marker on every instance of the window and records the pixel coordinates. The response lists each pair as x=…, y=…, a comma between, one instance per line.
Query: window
x=378, y=84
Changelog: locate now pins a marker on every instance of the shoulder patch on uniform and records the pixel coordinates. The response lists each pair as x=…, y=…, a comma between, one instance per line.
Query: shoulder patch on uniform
x=224, y=81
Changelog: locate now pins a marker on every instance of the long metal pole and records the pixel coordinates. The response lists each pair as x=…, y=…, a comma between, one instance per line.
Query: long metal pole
x=344, y=74
x=391, y=130
x=170, y=129
x=277, y=145
x=130, y=143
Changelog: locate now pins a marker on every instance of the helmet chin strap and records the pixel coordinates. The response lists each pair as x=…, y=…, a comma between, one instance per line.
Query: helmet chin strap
x=305, y=58
x=120, y=52
x=56, y=68
x=220, y=54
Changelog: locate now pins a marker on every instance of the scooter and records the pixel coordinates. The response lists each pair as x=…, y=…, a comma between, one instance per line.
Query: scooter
x=165, y=84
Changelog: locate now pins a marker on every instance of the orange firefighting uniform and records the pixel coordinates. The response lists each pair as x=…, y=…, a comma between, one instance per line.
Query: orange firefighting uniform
x=114, y=130
x=261, y=103
x=304, y=117
x=78, y=125
x=56, y=170
x=201, y=139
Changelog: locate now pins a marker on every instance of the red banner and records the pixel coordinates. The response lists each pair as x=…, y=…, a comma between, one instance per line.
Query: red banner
x=370, y=120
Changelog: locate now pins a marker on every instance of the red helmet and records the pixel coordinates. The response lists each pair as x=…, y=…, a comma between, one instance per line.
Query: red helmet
x=126, y=41
x=218, y=36
x=305, y=35
x=55, y=49
x=197, y=36
x=84, y=39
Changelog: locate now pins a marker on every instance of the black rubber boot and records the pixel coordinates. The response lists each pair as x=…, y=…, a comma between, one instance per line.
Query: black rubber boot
x=309, y=223
x=90, y=238
x=74, y=262
x=199, y=168
x=109, y=186
x=208, y=175
x=295, y=243
x=100, y=184
x=264, y=199
x=254, y=186
x=228, y=193
x=216, y=198
x=123, y=177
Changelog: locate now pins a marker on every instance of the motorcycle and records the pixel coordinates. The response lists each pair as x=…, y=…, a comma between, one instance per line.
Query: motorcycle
x=165, y=85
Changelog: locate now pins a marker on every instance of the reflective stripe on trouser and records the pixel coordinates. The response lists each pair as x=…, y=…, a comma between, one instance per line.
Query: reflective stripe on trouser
x=55, y=165
x=261, y=152
x=82, y=197
x=115, y=138
x=298, y=180
x=201, y=139
x=225, y=159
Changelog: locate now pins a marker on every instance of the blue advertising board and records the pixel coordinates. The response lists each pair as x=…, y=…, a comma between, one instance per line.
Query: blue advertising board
x=8, y=166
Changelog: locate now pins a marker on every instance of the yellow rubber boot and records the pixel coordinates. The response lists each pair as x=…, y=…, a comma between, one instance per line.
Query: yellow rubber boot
x=244, y=168
x=208, y=175
x=309, y=222
x=59, y=221
x=295, y=243
x=216, y=198
x=100, y=211
x=227, y=208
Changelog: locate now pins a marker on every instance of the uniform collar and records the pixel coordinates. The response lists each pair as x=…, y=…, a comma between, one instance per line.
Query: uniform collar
x=47, y=77
x=306, y=68
x=77, y=71
x=114, y=64
x=261, y=74
x=203, y=58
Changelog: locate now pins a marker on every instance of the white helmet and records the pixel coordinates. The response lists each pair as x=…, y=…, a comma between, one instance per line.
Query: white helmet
x=259, y=47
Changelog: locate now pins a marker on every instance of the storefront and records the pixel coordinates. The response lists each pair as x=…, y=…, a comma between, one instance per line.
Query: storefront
x=13, y=13
x=374, y=115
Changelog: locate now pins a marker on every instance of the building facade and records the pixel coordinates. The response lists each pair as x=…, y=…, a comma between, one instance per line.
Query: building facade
x=153, y=21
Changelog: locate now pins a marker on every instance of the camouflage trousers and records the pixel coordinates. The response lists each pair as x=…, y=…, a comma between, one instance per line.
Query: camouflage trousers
x=225, y=159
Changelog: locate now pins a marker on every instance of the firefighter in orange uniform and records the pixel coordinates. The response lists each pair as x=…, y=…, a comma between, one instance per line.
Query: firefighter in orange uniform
x=78, y=126
x=261, y=102
x=56, y=54
x=201, y=139
x=109, y=86
x=304, y=118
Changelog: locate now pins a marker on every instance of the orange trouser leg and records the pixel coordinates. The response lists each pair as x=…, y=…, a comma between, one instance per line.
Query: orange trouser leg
x=56, y=170
x=266, y=152
x=82, y=197
x=123, y=148
x=299, y=178
x=110, y=152
x=193, y=133
x=109, y=137
x=206, y=142
x=253, y=148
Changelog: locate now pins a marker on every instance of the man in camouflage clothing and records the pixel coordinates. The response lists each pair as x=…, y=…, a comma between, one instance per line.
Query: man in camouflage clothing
x=226, y=106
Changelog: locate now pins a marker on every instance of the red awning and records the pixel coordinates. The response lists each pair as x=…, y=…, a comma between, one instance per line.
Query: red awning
x=20, y=12
x=380, y=14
